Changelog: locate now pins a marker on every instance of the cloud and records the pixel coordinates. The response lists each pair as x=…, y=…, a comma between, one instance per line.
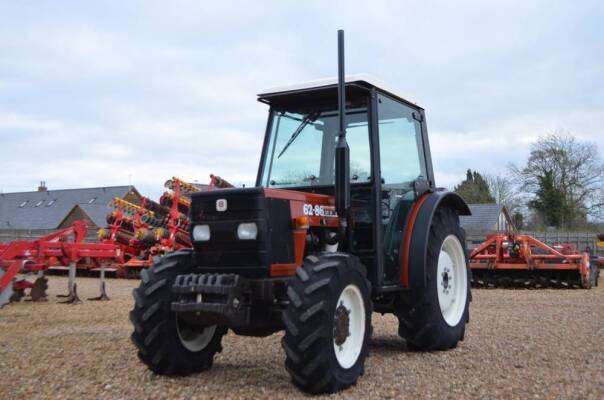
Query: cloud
x=112, y=93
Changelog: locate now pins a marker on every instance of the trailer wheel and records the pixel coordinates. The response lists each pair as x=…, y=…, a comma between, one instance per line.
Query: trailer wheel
x=434, y=317
x=327, y=323
x=166, y=343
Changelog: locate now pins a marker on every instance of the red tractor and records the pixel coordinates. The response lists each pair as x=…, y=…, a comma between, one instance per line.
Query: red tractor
x=344, y=220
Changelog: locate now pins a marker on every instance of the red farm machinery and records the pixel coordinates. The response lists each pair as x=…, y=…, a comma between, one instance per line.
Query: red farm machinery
x=134, y=236
x=22, y=258
x=521, y=261
x=152, y=228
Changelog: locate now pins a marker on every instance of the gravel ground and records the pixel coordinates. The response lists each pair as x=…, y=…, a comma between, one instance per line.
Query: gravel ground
x=519, y=344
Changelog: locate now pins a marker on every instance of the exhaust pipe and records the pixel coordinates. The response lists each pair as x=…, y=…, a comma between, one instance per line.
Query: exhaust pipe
x=342, y=155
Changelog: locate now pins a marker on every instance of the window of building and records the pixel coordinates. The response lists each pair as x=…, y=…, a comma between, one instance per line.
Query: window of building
x=50, y=203
x=23, y=204
x=91, y=200
x=39, y=203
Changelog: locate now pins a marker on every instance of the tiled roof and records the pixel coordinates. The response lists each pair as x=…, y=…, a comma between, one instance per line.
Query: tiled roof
x=47, y=209
x=483, y=218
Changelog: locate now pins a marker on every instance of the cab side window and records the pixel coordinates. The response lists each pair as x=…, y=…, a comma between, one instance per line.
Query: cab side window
x=401, y=147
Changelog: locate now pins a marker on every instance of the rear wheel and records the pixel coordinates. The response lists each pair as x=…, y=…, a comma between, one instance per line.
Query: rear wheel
x=434, y=317
x=166, y=342
x=327, y=323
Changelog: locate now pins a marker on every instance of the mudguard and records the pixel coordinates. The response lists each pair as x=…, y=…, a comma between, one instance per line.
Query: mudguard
x=413, y=273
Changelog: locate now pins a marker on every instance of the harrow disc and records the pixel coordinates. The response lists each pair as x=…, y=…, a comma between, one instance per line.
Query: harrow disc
x=522, y=279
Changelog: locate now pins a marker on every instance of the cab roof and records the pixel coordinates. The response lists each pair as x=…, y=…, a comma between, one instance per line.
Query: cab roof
x=324, y=86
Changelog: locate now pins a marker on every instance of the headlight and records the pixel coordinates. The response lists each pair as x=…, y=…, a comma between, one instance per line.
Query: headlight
x=201, y=233
x=247, y=231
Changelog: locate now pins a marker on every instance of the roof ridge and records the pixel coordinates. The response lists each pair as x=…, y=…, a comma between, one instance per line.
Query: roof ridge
x=70, y=189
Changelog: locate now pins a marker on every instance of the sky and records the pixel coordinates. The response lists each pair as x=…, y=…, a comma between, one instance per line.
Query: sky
x=114, y=93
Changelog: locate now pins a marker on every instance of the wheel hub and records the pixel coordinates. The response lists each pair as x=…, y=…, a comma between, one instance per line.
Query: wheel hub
x=447, y=279
x=341, y=325
x=194, y=338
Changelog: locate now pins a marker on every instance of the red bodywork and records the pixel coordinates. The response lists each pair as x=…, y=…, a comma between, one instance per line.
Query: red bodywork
x=301, y=221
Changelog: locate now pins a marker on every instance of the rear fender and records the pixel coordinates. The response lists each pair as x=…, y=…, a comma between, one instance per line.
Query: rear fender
x=413, y=274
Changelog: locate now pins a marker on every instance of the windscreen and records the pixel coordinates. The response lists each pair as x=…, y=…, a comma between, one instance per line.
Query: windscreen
x=301, y=147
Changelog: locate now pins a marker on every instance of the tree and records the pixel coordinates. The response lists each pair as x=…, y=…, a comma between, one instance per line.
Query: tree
x=474, y=189
x=549, y=201
x=565, y=178
x=518, y=220
x=504, y=192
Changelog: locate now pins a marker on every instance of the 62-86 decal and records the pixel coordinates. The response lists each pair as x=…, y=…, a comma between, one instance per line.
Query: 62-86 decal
x=319, y=211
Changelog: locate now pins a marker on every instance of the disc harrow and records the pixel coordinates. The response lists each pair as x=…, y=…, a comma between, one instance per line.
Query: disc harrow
x=151, y=228
x=521, y=261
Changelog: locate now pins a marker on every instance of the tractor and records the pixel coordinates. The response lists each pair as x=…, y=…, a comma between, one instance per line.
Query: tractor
x=344, y=220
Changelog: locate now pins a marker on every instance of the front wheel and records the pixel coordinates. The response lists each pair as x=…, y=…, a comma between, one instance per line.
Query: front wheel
x=166, y=342
x=327, y=323
x=434, y=317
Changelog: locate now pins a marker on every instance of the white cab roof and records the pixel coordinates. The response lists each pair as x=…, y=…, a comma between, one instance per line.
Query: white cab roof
x=317, y=83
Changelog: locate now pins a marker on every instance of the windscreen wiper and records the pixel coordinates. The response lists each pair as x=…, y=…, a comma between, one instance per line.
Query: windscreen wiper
x=311, y=117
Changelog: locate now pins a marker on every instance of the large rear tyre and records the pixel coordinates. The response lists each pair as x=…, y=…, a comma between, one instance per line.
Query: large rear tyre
x=327, y=323
x=166, y=343
x=434, y=317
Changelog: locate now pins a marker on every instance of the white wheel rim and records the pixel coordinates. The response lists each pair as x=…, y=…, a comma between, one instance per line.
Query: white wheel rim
x=194, y=338
x=452, y=280
x=347, y=353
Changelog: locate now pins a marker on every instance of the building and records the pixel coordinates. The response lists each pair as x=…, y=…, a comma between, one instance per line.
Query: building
x=485, y=219
x=27, y=215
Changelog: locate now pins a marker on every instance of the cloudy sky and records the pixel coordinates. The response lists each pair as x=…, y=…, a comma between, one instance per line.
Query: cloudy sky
x=111, y=93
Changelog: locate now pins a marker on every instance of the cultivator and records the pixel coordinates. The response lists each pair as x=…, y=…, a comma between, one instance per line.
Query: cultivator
x=21, y=258
x=521, y=261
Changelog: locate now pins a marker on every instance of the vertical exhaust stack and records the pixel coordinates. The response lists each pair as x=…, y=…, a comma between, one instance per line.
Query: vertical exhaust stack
x=342, y=171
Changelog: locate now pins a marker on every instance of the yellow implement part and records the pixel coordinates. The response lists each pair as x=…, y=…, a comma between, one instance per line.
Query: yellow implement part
x=128, y=207
x=184, y=186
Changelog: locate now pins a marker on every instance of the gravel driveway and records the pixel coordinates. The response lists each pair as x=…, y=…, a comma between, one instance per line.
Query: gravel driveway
x=520, y=344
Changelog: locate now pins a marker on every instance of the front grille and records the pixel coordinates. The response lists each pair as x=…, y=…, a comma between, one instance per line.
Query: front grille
x=224, y=249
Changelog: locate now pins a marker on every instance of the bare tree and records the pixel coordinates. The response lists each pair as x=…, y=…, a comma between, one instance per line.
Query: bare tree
x=504, y=192
x=573, y=171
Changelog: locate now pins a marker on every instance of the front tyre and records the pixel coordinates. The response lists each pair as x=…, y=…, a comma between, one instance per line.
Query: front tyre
x=327, y=323
x=434, y=317
x=166, y=342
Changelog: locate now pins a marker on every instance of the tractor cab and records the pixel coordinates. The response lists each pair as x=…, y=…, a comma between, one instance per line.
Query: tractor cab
x=390, y=162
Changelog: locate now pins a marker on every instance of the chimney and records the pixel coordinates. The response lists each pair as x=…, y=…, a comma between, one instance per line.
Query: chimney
x=42, y=187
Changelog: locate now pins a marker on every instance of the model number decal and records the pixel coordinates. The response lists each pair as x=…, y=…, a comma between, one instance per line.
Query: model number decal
x=317, y=210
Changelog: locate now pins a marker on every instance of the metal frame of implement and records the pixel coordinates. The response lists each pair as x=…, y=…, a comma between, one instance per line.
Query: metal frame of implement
x=67, y=246
x=513, y=260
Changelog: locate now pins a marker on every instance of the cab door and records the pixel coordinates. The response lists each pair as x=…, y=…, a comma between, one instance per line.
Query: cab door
x=403, y=169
